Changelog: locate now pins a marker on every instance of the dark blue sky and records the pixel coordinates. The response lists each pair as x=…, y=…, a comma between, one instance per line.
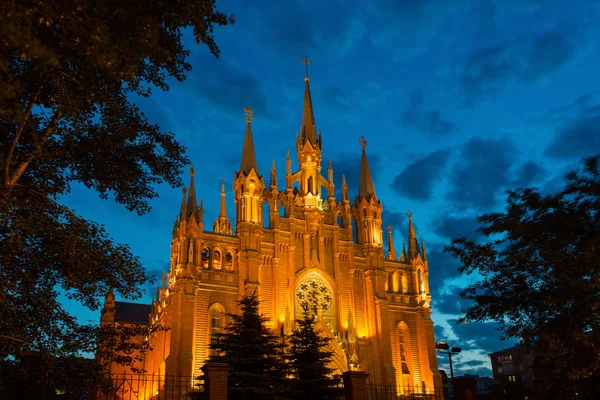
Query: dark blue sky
x=459, y=101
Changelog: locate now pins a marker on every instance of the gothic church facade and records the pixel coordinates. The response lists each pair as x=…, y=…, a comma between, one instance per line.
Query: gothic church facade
x=315, y=248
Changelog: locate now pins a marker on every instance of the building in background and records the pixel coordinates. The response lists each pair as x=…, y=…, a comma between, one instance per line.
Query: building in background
x=296, y=243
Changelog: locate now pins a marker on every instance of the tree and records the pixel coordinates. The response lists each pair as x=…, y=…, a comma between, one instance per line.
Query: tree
x=70, y=72
x=309, y=360
x=540, y=277
x=252, y=351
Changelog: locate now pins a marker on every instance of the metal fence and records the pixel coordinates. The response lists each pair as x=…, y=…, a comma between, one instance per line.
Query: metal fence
x=154, y=387
x=391, y=392
x=179, y=387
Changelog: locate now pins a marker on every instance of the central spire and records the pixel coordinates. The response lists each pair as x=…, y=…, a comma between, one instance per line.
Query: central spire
x=308, y=129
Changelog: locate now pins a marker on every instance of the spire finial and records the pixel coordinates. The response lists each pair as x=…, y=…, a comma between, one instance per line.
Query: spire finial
x=306, y=62
x=192, y=171
x=409, y=214
x=248, y=114
x=363, y=142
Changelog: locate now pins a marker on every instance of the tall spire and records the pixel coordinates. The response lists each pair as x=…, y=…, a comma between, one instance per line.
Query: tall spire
x=391, y=255
x=273, y=182
x=223, y=209
x=365, y=186
x=413, y=244
x=308, y=130
x=248, y=154
x=191, y=200
x=222, y=224
x=344, y=188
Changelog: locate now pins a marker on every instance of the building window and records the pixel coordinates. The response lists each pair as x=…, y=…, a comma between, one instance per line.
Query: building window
x=191, y=251
x=217, y=260
x=205, y=257
x=512, y=378
x=229, y=261
x=404, y=284
x=402, y=344
x=396, y=282
x=216, y=314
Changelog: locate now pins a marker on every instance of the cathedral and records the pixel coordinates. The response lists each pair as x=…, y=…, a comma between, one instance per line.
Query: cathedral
x=316, y=249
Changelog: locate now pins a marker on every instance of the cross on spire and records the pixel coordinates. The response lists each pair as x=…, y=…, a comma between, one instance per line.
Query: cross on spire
x=306, y=62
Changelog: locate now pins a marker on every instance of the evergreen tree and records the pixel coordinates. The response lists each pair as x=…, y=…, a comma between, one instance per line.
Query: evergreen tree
x=252, y=351
x=308, y=359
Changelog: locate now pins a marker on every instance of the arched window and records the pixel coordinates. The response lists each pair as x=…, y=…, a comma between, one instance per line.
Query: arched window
x=229, y=261
x=217, y=260
x=387, y=282
x=403, y=343
x=217, y=323
x=396, y=282
x=310, y=185
x=191, y=251
x=205, y=258
x=340, y=221
x=421, y=283
x=404, y=284
x=281, y=210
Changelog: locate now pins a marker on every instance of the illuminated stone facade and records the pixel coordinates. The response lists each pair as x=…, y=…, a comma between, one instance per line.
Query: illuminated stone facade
x=314, y=247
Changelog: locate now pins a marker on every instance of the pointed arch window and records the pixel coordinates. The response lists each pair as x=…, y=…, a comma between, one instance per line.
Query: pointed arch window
x=396, y=282
x=217, y=260
x=229, y=261
x=205, y=258
x=191, y=251
x=404, y=284
x=421, y=283
x=217, y=323
x=403, y=346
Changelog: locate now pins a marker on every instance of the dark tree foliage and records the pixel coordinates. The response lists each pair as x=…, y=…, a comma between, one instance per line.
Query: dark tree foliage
x=69, y=73
x=308, y=360
x=252, y=352
x=540, y=277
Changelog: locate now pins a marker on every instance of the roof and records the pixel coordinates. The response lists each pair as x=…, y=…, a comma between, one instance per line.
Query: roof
x=132, y=313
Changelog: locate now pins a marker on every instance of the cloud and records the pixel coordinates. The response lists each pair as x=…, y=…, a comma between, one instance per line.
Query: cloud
x=475, y=336
x=481, y=171
x=525, y=60
x=579, y=137
x=298, y=28
x=351, y=100
x=398, y=220
x=229, y=87
x=427, y=120
x=442, y=266
x=416, y=180
x=449, y=227
x=451, y=303
x=530, y=173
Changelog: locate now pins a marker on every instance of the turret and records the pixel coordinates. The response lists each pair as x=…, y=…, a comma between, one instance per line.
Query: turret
x=248, y=184
x=367, y=207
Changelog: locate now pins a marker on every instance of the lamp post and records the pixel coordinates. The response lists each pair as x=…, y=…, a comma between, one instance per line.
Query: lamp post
x=443, y=347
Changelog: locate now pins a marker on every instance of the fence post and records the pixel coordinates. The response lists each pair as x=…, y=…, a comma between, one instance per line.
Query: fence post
x=215, y=380
x=355, y=385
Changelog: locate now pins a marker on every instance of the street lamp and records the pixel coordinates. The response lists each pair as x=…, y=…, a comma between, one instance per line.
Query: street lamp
x=443, y=347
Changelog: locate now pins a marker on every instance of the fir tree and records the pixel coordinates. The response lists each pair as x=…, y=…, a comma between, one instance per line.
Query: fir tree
x=252, y=352
x=308, y=359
